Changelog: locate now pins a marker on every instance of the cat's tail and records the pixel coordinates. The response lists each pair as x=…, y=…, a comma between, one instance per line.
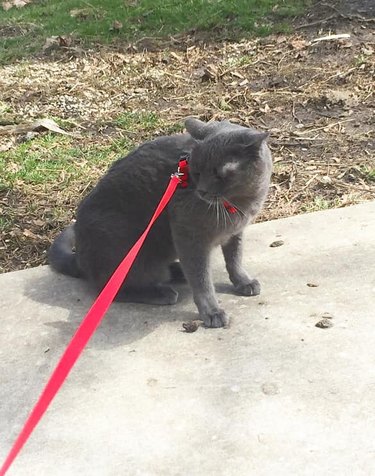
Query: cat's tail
x=61, y=255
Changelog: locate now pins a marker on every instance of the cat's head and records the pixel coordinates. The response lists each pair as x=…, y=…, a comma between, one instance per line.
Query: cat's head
x=228, y=161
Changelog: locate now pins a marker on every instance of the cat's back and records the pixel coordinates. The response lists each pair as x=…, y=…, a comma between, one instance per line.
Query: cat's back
x=151, y=162
x=140, y=176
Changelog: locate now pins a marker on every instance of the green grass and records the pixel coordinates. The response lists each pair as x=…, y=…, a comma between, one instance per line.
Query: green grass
x=52, y=159
x=146, y=123
x=369, y=173
x=24, y=31
x=320, y=203
x=134, y=121
x=5, y=224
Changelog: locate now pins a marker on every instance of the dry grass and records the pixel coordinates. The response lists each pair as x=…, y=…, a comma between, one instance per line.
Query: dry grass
x=316, y=99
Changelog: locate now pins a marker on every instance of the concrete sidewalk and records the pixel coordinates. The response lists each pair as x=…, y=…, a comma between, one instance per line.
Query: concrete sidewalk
x=271, y=395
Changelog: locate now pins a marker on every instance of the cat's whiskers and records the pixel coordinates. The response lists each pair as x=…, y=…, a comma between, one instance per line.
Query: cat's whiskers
x=236, y=207
x=224, y=213
x=217, y=213
x=227, y=215
x=210, y=205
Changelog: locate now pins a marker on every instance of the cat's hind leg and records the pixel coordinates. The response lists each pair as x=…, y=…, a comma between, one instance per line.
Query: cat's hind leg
x=176, y=272
x=158, y=294
x=146, y=284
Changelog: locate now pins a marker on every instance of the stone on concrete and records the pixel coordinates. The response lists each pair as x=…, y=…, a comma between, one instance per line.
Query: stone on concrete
x=271, y=395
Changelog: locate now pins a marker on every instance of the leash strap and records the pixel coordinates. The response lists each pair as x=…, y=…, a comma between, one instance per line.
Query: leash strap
x=84, y=332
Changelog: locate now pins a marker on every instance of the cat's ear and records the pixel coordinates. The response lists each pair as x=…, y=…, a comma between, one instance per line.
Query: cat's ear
x=195, y=127
x=257, y=139
x=250, y=143
x=200, y=130
x=253, y=140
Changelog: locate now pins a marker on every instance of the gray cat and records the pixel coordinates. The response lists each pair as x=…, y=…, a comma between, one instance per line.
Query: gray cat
x=229, y=174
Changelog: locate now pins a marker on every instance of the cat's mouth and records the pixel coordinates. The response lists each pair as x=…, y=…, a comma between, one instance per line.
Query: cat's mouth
x=217, y=201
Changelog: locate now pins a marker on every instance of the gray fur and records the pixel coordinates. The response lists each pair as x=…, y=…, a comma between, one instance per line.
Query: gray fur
x=115, y=213
x=61, y=253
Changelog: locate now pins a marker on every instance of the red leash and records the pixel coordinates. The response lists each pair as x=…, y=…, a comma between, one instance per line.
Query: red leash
x=85, y=331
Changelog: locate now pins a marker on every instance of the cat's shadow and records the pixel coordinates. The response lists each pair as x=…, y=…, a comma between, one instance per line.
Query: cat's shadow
x=123, y=324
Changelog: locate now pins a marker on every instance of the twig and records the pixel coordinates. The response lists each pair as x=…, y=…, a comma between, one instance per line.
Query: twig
x=342, y=75
x=295, y=143
x=315, y=23
x=348, y=17
x=294, y=113
x=328, y=126
x=341, y=36
x=308, y=138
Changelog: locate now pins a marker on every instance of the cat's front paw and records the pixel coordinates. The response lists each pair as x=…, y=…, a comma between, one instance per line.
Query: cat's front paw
x=251, y=288
x=216, y=318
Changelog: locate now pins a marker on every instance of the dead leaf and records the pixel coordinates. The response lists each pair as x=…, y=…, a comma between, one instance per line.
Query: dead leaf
x=64, y=41
x=265, y=108
x=345, y=44
x=367, y=50
x=209, y=73
x=81, y=13
x=14, y=3
x=341, y=97
x=281, y=39
x=237, y=74
x=57, y=42
x=49, y=124
x=40, y=125
x=50, y=42
x=7, y=146
x=325, y=180
x=298, y=44
x=39, y=222
x=20, y=3
x=29, y=234
x=116, y=26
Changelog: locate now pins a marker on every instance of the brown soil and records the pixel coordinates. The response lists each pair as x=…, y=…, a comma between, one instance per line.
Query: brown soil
x=315, y=97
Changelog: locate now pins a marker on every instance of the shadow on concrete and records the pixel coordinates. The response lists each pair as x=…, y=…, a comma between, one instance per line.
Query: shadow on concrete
x=123, y=324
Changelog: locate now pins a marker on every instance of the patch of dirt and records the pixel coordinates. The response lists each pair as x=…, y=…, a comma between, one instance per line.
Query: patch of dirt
x=10, y=31
x=315, y=97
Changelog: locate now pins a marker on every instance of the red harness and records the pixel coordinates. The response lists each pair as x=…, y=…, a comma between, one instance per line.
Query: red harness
x=183, y=173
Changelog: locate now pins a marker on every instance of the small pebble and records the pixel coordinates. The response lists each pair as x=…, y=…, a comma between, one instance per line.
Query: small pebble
x=276, y=243
x=270, y=388
x=327, y=315
x=191, y=326
x=324, y=324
